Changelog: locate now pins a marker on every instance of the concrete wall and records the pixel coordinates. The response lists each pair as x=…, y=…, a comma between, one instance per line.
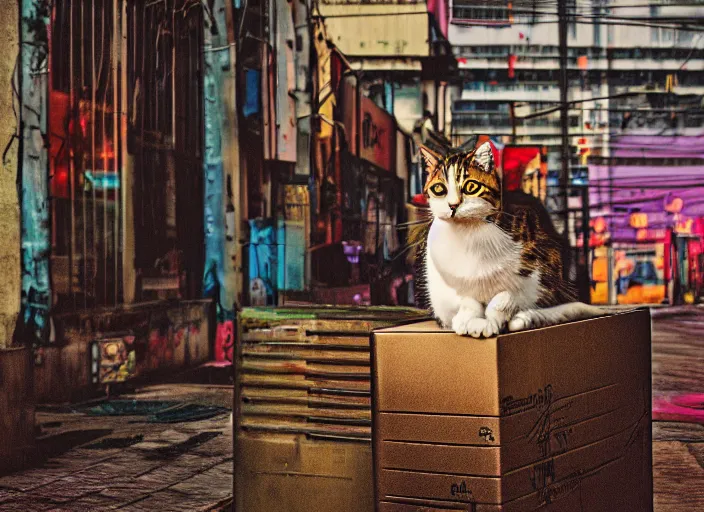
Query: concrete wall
x=167, y=336
x=16, y=409
x=9, y=207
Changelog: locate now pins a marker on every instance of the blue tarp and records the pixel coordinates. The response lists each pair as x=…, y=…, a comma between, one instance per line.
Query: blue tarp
x=252, y=95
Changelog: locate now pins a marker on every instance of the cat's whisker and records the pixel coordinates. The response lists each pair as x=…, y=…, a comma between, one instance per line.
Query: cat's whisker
x=414, y=222
x=411, y=227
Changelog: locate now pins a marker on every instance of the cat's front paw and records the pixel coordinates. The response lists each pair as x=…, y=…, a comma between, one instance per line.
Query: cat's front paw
x=520, y=322
x=467, y=325
x=493, y=327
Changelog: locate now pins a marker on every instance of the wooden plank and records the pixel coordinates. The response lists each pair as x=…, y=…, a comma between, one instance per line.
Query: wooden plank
x=302, y=368
x=285, y=353
x=290, y=381
x=304, y=411
x=289, y=427
x=253, y=337
x=277, y=396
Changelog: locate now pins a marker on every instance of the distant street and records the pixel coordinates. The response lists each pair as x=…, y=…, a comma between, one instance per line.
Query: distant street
x=177, y=463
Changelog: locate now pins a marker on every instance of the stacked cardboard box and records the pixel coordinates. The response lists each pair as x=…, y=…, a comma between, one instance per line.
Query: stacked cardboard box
x=554, y=419
x=302, y=408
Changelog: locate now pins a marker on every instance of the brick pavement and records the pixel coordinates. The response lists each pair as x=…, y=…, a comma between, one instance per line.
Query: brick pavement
x=171, y=467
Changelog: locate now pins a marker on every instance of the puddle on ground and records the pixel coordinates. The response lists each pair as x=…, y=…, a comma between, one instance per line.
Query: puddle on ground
x=187, y=412
x=156, y=411
x=129, y=407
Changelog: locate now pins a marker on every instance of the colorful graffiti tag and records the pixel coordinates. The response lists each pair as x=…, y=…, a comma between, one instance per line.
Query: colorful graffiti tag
x=114, y=360
x=224, y=341
x=164, y=343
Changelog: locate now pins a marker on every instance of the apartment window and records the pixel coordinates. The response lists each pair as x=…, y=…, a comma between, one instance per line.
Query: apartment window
x=685, y=36
x=597, y=26
x=487, y=11
x=572, y=10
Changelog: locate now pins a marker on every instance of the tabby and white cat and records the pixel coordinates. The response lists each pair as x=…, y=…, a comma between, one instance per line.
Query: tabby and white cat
x=490, y=261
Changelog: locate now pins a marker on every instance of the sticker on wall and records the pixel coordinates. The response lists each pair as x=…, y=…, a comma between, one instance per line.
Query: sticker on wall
x=257, y=292
x=224, y=341
x=113, y=360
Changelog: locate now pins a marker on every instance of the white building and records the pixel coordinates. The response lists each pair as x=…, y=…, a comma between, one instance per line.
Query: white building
x=614, y=47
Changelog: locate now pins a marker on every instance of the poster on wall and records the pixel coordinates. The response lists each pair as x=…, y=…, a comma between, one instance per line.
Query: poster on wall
x=113, y=360
x=378, y=137
x=262, y=262
x=376, y=133
x=291, y=238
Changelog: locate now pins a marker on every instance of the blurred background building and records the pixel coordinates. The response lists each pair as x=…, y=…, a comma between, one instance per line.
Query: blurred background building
x=177, y=160
x=635, y=80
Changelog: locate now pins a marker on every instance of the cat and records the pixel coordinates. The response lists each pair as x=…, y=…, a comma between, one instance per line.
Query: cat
x=489, y=261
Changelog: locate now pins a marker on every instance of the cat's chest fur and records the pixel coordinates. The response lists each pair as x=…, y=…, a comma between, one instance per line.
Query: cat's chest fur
x=479, y=261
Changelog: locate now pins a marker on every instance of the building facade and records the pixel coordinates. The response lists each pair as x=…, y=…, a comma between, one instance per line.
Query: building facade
x=16, y=392
x=508, y=59
x=353, y=102
x=123, y=190
x=230, y=161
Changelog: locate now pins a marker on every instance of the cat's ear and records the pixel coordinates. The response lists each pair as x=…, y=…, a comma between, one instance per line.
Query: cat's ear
x=430, y=157
x=484, y=158
x=469, y=144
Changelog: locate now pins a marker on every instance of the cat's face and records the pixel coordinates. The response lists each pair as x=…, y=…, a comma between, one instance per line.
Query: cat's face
x=463, y=186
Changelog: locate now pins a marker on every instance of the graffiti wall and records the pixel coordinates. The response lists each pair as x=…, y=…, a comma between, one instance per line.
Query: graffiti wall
x=122, y=344
x=34, y=188
x=224, y=341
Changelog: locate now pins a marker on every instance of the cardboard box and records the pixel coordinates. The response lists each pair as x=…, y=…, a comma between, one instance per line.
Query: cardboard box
x=295, y=474
x=302, y=429
x=509, y=423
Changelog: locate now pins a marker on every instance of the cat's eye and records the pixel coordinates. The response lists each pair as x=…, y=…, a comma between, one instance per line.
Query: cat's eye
x=438, y=189
x=473, y=188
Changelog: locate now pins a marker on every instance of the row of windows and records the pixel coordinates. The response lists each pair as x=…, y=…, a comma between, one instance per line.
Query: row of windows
x=475, y=77
x=520, y=50
x=552, y=52
x=486, y=11
x=646, y=162
x=486, y=119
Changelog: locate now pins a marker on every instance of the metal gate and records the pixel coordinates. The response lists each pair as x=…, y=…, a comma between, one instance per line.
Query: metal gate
x=125, y=92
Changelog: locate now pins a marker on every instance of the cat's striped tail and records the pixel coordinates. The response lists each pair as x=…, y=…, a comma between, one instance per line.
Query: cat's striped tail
x=534, y=318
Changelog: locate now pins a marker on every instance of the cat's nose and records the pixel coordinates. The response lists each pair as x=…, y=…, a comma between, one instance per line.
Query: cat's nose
x=453, y=207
